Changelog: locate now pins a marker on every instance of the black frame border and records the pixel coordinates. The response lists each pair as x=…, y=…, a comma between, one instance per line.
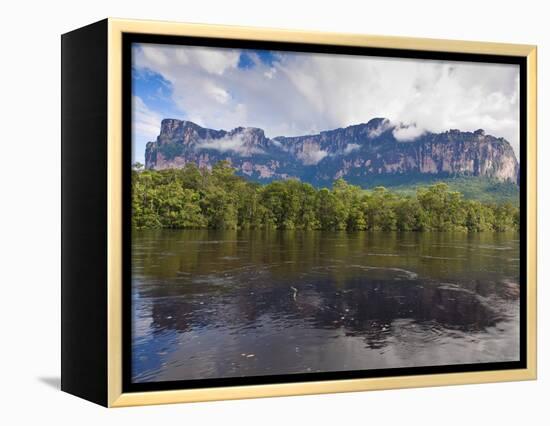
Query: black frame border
x=130, y=38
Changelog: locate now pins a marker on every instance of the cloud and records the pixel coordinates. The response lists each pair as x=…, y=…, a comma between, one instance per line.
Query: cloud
x=145, y=121
x=406, y=133
x=236, y=143
x=270, y=73
x=351, y=147
x=145, y=127
x=312, y=156
x=216, y=93
x=297, y=93
x=381, y=128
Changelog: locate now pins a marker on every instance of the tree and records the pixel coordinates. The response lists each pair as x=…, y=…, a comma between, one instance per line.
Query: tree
x=307, y=217
x=199, y=198
x=409, y=215
x=351, y=198
x=478, y=217
x=144, y=208
x=331, y=212
x=179, y=207
x=506, y=217
x=220, y=208
x=191, y=177
x=379, y=210
x=249, y=208
x=444, y=209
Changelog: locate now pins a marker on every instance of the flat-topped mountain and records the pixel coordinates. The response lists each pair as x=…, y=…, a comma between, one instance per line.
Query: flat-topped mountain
x=359, y=153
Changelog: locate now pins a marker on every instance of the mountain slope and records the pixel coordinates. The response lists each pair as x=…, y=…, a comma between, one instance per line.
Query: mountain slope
x=362, y=153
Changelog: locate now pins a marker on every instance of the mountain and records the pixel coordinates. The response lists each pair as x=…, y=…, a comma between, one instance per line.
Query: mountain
x=362, y=153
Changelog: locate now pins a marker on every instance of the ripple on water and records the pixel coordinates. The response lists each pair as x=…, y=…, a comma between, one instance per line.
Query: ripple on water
x=494, y=247
x=400, y=271
x=213, y=279
x=442, y=257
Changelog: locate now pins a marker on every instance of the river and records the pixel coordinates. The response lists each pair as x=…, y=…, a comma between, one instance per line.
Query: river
x=215, y=304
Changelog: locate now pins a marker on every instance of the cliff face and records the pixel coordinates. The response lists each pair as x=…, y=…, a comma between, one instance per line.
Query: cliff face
x=360, y=151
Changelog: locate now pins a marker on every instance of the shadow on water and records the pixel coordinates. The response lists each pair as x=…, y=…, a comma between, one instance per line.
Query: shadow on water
x=308, y=301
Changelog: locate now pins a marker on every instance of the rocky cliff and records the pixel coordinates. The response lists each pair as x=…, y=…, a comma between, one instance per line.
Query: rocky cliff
x=359, y=152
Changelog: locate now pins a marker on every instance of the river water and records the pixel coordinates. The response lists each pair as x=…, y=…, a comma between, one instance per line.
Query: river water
x=214, y=304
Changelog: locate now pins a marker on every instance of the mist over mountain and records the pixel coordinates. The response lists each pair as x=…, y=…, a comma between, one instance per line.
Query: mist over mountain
x=362, y=153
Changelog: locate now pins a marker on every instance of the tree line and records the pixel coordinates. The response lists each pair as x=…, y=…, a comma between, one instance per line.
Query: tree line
x=194, y=198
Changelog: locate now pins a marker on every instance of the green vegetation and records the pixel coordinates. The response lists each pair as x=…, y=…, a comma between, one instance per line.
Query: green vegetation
x=471, y=187
x=195, y=198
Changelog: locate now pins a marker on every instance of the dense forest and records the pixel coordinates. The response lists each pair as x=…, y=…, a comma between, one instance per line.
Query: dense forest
x=199, y=198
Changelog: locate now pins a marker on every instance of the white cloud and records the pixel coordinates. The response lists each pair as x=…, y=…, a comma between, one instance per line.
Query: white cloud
x=270, y=73
x=313, y=156
x=351, y=147
x=406, y=133
x=145, y=121
x=216, y=93
x=381, y=128
x=155, y=56
x=306, y=93
x=216, y=61
x=236, y=143
x=145, y=127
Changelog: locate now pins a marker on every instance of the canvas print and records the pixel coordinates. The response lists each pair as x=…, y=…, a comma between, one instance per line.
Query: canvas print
x=303, y=213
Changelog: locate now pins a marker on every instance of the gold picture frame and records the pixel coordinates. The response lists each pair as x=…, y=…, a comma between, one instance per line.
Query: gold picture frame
x=114, y=30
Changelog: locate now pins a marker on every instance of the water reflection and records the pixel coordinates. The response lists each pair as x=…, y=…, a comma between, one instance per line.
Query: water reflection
x=218, y=304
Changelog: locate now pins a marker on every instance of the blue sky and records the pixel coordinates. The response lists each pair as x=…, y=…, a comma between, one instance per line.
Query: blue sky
x=289, y=93
x=153, y=94
x=246, y=58
x=154, y=90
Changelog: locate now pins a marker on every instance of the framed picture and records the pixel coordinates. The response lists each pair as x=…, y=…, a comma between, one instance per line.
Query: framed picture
x=250, y=212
